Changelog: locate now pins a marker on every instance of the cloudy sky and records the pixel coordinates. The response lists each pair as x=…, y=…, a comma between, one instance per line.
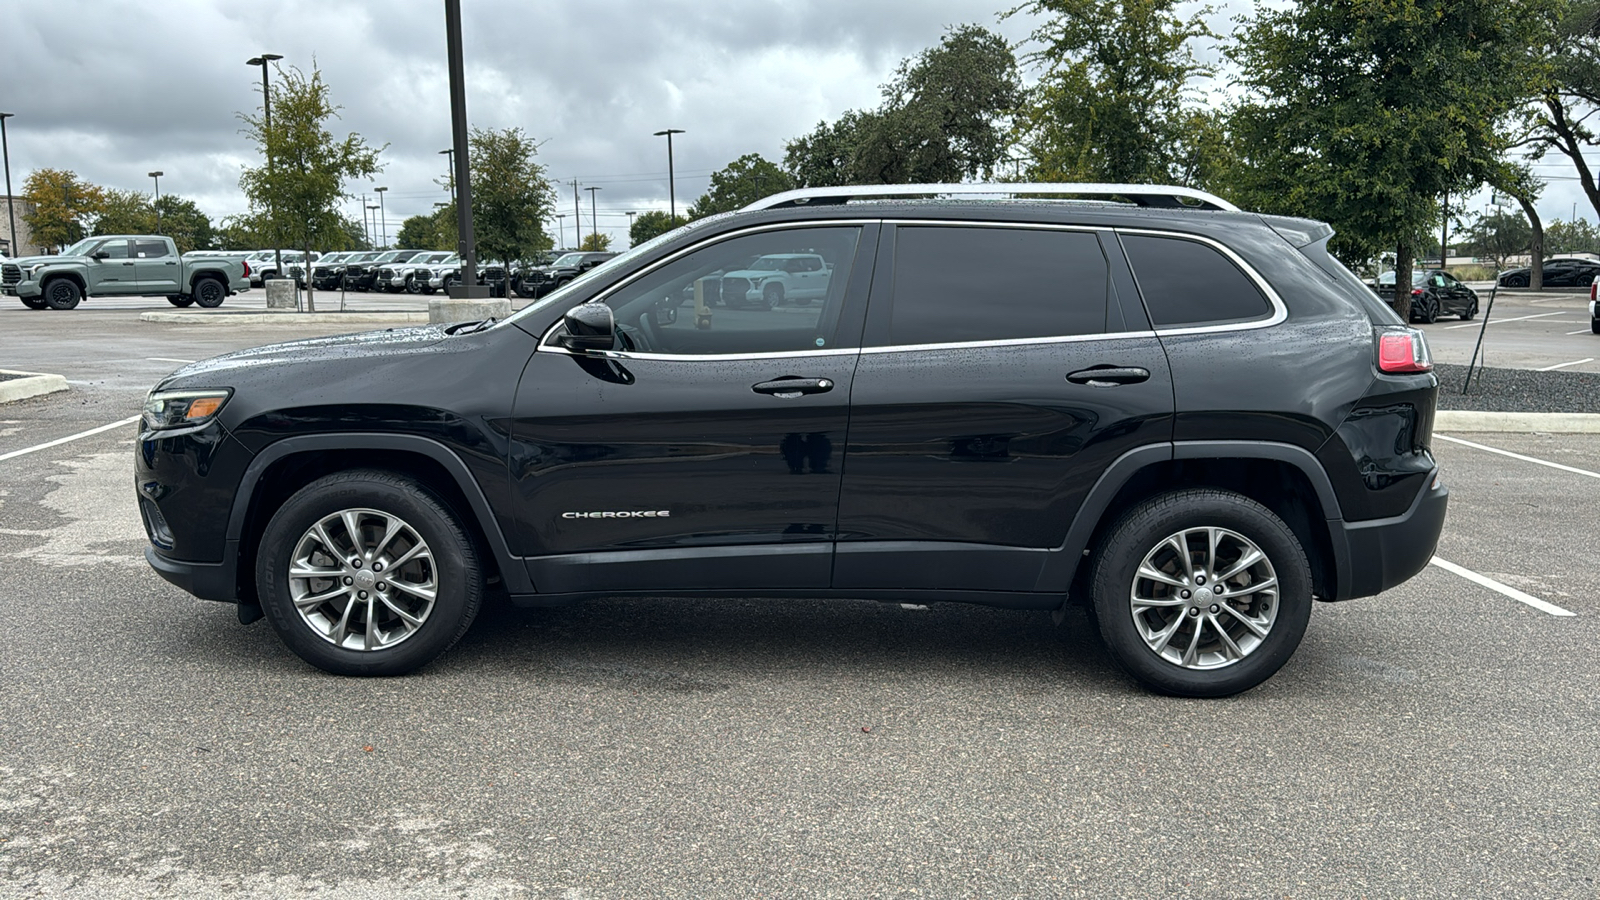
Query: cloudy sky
x=114, y=89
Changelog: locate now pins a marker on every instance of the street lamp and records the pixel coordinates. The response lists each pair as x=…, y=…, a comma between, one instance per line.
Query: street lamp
x=266, y=105
x=594, y=218
x=157, y=176
x=452, y=154
x=383, y=217
x=672, y=188
x=372, y=212
x=561, y=230
x=631, y=214
x=10, y=212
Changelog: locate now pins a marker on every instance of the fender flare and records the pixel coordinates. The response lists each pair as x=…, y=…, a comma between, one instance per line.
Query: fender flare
x=1062, y=565
x=512, y=569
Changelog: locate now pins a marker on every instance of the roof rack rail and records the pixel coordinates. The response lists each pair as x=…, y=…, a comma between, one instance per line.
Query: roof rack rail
x=1152, y=195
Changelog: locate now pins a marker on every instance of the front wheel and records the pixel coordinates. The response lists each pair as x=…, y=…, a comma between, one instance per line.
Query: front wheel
x=1201, y=593
x=179, y=300
x=62, y=293
x=772, y=296
x=366, y=572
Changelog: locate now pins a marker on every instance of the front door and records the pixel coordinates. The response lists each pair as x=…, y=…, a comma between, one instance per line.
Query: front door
x=157, y=266
x=115, y=274
x=705, y=451
x=1001, y=374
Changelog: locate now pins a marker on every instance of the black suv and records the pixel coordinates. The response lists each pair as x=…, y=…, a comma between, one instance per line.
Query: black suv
x=1189, y=418
x=540, y=280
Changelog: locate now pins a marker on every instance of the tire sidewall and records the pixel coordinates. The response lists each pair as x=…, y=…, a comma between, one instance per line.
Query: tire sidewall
x=62, y=294
x=1138, y=532
x=201, y=286
x=458, y=576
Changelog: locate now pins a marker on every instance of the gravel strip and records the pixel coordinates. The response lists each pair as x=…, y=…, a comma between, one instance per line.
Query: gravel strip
x=1519, y=390
x=10, y=376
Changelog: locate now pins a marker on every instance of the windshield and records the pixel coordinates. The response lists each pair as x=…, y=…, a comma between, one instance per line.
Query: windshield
x=388, y=257
x=81, y=248
x=571, y=259
x=768, y=264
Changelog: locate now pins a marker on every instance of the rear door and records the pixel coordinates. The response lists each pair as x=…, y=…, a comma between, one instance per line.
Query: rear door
x=1000, y=376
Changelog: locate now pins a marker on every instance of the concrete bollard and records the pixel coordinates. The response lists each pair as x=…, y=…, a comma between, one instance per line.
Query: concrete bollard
x=446, y=311
x=282, y=293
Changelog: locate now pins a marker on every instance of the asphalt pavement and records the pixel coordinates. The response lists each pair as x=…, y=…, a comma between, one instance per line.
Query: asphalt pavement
x=1548, y=331
x=1438, y=740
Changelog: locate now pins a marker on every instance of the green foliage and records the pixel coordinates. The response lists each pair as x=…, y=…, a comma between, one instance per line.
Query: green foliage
x=124, y=212
x=1364, y=114
x=652, y=224
x=1568, y=91
x=418, y=233
x=1116, y=102
x=943, y=119
x=295, y=195
x=243, y=231
x=511, y=196
x=596, y=242
x=63, y=207
x=1499, y=235
x=180, y=219
x=1571, y=237
x=741, y=183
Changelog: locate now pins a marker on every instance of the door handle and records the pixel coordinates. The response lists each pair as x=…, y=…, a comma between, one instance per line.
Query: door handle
x=1109, y=376
x=791, y=386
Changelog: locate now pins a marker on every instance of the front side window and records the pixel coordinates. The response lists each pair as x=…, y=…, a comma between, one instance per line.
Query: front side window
x=709, y=302
x=965, y=284
x=117, y=249
x=1188, y=283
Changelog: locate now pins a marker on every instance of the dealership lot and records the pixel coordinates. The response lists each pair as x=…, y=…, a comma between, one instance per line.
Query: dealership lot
x=1436, y=740
x=1526, y=331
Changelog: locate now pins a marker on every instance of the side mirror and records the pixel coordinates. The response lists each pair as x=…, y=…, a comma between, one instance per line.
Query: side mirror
x=590, y=326
x=101, y=254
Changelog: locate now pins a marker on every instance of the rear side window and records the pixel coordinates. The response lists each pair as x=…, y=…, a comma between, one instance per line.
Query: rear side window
x=1186, y=283
x=956, y=284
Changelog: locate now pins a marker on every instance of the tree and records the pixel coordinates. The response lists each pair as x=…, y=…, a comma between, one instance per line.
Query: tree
x=1116, y=102
x=297, y=191
x=1567, y=95
x=511, y=196
x=741, y=183
x=124, y=212
x=60, y=207
x=652, y=224
x=418, y=233
x=944, y=118
x=180, y=219
x=1572, y=237
x=1364, y=114
x=595, y=242
x=1499, y=235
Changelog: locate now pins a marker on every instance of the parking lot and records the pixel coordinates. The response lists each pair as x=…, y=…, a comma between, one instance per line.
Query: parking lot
x=1437, y=740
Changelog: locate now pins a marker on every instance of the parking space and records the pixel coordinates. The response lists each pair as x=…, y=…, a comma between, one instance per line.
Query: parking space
x=1548, y=331
x=1437, y=740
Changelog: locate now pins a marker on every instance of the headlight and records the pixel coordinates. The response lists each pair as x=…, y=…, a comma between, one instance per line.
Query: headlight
x=34, y=269
x=173, y=409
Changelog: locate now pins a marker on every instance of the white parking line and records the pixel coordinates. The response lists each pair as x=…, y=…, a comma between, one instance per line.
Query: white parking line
x=1542, y=462
x=1503, y=321
x=1580, y=331
x=165, y=359
x=1506, y=589
x=68, y=439
x=1576, y=362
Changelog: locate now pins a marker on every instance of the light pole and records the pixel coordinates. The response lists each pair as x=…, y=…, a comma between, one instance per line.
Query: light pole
x=10, y=211
x=266, y=106
x=366, y=222
x=594, y=217
x=561, y=230
x=383, y=218
x=631, y=214
x=157, y=176
x=672, y=188
x=452, y=154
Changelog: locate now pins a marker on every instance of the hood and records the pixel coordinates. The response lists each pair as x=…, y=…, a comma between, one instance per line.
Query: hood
x=747, y=273
x=26, y=261
x=392, y=345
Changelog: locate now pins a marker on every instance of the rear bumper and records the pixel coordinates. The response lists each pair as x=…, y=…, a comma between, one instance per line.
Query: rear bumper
x=208, y=581
x=1376, y=555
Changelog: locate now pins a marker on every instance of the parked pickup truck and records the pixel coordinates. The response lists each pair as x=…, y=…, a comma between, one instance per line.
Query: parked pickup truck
x=122, y=265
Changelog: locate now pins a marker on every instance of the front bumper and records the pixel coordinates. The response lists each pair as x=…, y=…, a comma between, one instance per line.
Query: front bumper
x=1377, y=554
x=208, y=581
x=23, y=289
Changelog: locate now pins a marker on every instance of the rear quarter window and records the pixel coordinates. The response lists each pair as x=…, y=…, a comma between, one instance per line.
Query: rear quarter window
x=1187, y=284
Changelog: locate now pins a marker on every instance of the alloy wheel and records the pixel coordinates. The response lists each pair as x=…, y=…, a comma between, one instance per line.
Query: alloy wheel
x=362, y=579
x=1204, y=598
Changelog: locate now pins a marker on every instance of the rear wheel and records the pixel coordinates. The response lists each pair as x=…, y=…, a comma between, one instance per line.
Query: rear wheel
x=367, y=573
x=1594, y=326
x=1425, y=310
x=1201, y=593
x=62, y=293
x=209, y=293
x=179, y=300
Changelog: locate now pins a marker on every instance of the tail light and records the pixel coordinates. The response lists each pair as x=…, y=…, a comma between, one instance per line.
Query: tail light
x=1416, y=292
x=1403, y=351
x=247, y=270
x=1594, y=291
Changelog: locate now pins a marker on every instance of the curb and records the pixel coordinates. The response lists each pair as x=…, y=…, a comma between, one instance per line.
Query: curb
x=32, y=385
x=285, y=318
x=1549, y=423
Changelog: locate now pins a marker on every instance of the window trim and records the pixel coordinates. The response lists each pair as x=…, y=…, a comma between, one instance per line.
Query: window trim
x=1279, y=312
x=546, y=344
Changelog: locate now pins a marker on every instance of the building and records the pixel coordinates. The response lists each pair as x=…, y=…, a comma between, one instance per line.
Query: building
x=20, y=244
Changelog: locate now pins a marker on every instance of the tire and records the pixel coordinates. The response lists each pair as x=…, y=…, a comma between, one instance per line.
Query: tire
x=33, y=302
x=62, y=293
x=179, y=300
x=208, y=292
x=1585, y=280
x=1142, y=540
x=1519, y=281
x=771, y=297
x=1471, y=311
x=383, y=505
x=1430, y=311
x=1594, y=326
x=411, y=285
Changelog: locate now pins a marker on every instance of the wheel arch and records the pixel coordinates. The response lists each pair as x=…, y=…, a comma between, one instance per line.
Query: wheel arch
x=74, y=277
x=214, y=274
x=292, y=463
x=1282, y=477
